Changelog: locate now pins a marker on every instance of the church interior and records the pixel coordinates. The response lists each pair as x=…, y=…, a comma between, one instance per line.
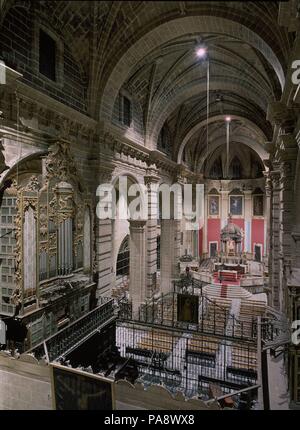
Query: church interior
x=166, y=312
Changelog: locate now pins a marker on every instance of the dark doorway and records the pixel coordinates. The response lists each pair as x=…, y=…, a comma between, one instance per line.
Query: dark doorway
x=213, y=249
x=257, y=253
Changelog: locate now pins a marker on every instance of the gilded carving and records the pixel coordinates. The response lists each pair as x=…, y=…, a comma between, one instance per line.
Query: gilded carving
x=60, y=163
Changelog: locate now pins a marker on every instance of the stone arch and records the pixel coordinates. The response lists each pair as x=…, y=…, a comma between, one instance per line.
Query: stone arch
x=260, y=151
x=124, y=247
x=212, y=120
x=187, y=92
x=176, y=28
x=120, y=227
x=12, y=169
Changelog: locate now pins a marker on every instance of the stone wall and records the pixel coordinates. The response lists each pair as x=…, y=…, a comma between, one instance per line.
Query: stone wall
x=19, y=48
x=24, y=385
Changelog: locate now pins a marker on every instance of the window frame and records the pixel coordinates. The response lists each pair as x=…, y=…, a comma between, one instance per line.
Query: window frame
x=59, y=53
x=125, y=97
x=259, y=245
x=263, y=201
x=211, y=242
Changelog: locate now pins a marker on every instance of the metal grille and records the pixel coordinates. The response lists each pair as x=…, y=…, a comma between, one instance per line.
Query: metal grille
x=214, y=316
x=187, y=361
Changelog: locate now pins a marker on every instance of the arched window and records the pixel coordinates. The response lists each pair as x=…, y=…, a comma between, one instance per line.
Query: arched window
x=164, y=139
x=256, y=171
x=123, y=258
x=216, y=170
x=235, y=170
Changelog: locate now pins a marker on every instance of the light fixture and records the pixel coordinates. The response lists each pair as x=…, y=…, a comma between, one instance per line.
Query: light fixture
x=201, y=52
x=227, y=119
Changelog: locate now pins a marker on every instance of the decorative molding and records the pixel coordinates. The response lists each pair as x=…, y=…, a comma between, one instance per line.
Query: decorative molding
x=60, y=163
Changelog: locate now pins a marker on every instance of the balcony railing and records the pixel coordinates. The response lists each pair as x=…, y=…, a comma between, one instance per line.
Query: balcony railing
x=74, y=334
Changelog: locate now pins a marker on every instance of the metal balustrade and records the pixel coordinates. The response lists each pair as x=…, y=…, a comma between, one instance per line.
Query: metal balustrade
x=74, y=334
x=214, y=318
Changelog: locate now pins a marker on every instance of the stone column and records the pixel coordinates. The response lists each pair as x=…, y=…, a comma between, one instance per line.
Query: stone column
x=248, y=221
x=224, y=207
x=288, y=157
x=138, y=263
x=169, y=252
x=170, y=239
x=206, y=211
x=152, y=182
x=274, y=240
x=296, y=229
x=104, y=242
x=268, y=218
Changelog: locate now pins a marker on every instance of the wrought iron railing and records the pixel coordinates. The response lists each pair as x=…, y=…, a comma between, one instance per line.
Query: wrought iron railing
x=74, y=334
x=213, y=317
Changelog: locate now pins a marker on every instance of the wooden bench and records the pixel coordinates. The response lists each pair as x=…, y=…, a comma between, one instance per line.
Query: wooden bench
x=203, y=343
x=158, y=341
x=242, y=358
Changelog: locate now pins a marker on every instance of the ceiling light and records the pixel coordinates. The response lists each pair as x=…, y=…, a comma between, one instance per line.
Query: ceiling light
x=201, y=52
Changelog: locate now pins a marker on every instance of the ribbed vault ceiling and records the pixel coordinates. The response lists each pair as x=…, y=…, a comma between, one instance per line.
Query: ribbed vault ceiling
x=149, y=47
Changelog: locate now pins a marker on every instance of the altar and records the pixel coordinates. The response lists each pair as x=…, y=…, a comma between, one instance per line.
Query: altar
x=242, y=269
x=231, y=240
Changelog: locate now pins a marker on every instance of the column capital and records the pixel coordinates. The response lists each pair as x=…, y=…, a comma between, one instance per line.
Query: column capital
x=279, y=114
x=181, y=174
x=287, y=148
x=275, y=177
x=296, y=235
x=224, y=192
x=137, y=225
x=151, y=177
x=105, y=173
